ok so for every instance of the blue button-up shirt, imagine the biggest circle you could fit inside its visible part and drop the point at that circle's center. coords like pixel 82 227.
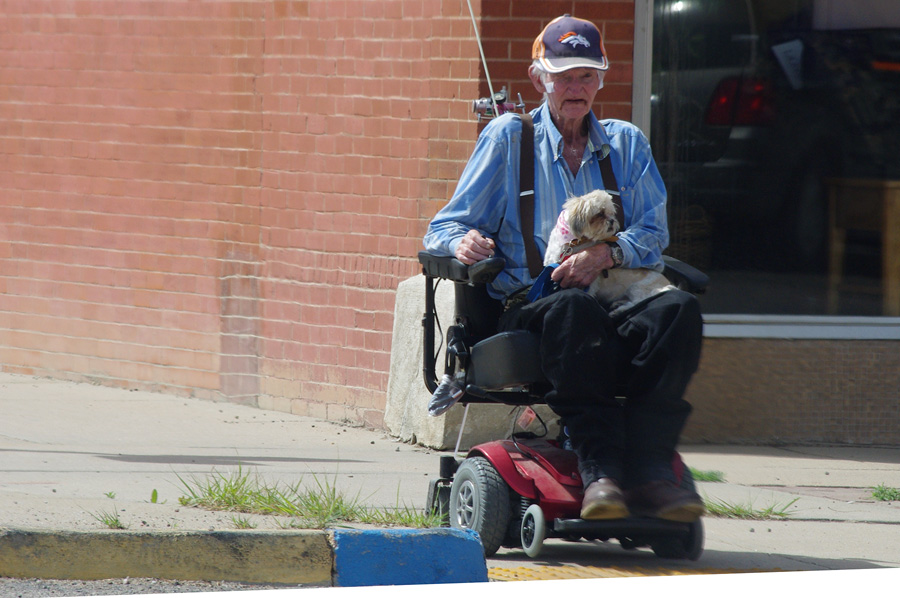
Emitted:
pixel 486 197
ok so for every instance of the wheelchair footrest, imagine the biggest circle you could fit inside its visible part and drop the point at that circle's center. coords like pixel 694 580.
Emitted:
pixel 613 528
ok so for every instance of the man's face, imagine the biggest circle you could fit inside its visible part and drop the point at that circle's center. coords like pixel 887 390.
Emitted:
pixel 570 93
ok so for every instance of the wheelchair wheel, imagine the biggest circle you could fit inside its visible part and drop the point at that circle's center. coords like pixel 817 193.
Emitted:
pixel 479 500
pixel 689 548
pixel 438 501
pixel 534 531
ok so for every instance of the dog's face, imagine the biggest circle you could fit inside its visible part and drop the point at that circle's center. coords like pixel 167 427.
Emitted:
pixel 592 216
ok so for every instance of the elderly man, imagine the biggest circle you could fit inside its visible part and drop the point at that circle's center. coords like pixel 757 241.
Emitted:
pixel 625 450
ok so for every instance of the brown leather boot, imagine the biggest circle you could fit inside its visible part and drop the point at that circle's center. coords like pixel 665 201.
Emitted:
pixel 665 500
pixel 603 499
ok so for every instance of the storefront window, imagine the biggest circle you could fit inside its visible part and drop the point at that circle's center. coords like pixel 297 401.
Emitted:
pixel 776 125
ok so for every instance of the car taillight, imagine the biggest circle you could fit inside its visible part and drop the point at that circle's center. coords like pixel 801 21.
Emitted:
pixel 885 65
pixel 739 101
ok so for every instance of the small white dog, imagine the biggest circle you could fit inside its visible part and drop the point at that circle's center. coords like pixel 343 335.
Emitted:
pixel 586 221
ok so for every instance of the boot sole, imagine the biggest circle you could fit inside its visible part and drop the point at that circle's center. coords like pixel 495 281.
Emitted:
pixel 688 513
pixel 602 511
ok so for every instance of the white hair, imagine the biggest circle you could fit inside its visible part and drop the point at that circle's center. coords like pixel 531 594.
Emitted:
pixel 544 76
pixel 539 67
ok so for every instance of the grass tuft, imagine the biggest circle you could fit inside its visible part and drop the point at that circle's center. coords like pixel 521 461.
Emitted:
pixel 109 518
pixel 885 493
pixel 729 510
pixel 242 522
pixel 316 506
pixel 707 476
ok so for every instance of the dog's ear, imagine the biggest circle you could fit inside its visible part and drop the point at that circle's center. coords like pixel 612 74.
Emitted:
pixel 611 216
pixel 610 224
pixel 578 215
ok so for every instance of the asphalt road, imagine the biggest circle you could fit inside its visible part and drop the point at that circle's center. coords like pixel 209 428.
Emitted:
pixel 41 588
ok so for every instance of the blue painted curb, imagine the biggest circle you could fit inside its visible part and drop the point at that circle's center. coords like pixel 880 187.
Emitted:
pixel 384 557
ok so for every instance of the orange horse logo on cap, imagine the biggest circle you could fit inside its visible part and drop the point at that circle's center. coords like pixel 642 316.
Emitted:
pixel 574 40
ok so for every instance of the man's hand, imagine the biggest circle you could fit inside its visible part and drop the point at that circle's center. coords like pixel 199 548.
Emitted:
pixel 474 247
pixel 580 270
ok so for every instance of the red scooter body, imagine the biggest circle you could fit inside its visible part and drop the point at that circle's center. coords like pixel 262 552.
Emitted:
pixel 546 477
pixel 542 471
pixel 538 470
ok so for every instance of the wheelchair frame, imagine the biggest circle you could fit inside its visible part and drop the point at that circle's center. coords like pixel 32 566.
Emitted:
pixel 529 488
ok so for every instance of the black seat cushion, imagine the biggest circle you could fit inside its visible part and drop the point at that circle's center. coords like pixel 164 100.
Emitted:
pixel 506 359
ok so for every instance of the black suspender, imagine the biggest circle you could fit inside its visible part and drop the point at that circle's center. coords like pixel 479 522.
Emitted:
pixel 526 197
pixel 612 187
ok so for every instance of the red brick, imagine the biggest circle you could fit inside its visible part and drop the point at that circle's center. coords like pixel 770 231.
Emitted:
pixel 303 144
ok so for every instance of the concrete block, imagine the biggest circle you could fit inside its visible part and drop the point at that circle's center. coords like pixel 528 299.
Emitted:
pixel 406 412
pixel 382 557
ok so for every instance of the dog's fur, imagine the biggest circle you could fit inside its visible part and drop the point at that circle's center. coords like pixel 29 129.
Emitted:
pixel 591 219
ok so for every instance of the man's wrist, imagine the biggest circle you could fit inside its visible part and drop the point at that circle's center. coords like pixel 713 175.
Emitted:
pixel 616 254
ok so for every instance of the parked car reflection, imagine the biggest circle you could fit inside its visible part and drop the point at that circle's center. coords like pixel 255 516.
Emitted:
pixel 758 103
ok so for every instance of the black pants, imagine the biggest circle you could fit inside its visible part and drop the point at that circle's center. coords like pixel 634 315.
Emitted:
pixel 648 356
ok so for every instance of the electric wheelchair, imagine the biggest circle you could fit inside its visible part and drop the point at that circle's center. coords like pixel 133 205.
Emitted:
pixel 521 490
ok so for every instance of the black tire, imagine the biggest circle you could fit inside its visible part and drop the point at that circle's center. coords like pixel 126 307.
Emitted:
pixel 685 548
pixel 513 537
pixel 479 500
pixel 690 547
pixel 438 501
pixel 805 215
pixel 694 544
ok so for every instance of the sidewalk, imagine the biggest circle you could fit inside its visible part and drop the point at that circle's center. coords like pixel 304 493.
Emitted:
pixel 69 452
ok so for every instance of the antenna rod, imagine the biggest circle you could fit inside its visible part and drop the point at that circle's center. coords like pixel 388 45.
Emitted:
pixel 487 75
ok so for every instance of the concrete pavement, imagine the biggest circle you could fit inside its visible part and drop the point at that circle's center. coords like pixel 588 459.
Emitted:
pixel 72 453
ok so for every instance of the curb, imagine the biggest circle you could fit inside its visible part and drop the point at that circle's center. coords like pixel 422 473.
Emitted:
pixel 406 557
pixel 315 558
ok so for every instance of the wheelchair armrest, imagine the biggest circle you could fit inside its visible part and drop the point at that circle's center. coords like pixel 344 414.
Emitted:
pixel 451 268
pixel 684 276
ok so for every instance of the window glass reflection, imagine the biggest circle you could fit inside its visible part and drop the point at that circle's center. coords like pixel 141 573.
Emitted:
pixel 776 125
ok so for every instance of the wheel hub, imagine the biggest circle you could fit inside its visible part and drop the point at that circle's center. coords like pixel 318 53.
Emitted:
pixel 465 510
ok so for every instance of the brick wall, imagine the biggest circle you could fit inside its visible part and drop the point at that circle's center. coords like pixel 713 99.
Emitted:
pixel 219 199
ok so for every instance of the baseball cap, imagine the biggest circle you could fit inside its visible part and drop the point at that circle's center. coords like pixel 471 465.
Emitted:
pixel 568 43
